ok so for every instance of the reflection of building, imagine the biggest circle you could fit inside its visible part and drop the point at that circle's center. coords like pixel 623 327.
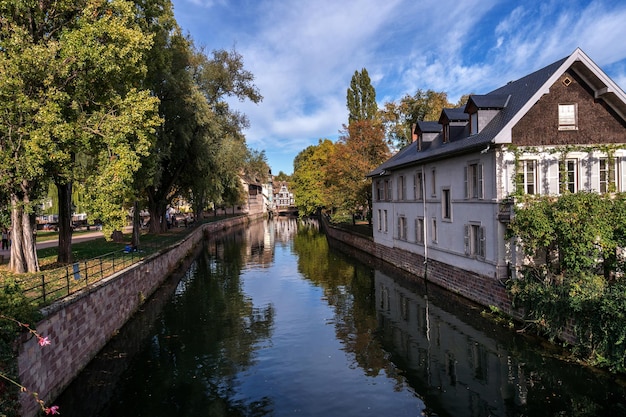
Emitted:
pixel 452 364
pixel 285 228
pixel 260 247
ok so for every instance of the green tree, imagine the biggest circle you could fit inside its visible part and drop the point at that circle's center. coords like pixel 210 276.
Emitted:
pixel 67 70
pixel 361 98
pixel 310 177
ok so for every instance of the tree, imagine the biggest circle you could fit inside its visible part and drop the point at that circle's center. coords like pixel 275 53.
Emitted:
pixel 310 177
pixel 67 71
pixel 358 151
pixel 361 98
pixel 400 118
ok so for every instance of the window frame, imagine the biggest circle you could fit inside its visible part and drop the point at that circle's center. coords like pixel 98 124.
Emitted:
pixel 526 175
pixel 418 186
pixel 446 204
pixel 402 228
pixel 568 116
pixel 474 123
pixel 474 181
pixel 570 181
pixel 419 230
pixel 475 240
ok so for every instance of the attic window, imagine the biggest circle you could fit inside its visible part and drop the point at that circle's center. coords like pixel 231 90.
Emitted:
pixel 473 123
pixel 446 133
pixel 567 81
pixel 568 117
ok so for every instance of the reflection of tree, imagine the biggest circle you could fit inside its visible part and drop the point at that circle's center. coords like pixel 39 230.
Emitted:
pixel 206 336
pixel 348 287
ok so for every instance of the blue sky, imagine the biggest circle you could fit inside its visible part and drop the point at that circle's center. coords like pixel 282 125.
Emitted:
pixel 303 53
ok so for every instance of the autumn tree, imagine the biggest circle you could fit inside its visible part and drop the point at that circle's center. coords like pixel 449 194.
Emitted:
pixel 67 71
pixel 360 149
pixel 399 118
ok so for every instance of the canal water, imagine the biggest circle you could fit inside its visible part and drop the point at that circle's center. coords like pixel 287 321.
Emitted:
pixel 270 321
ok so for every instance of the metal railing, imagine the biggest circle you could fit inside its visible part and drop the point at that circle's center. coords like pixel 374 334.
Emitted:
pixel 48 286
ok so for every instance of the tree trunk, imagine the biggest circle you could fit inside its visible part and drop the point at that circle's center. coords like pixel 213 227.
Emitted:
pixel 158 222
pixel 136 225
pixel 23 248
pixel 64 249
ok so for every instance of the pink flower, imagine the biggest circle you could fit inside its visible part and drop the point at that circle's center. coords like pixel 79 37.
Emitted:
pixel 52 410
pixel 43 341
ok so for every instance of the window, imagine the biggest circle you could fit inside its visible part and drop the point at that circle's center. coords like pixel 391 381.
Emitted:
pixel 446 204
pixel 607 176
pixel 385 229
pixel 475 240
pixel 474 123
pixel 568 176
pixel 568 117
pixel 433 183
pixel 401 188
pixel 527 176
pixel 433 230
pixel 474 181
pixel 380 190
pixel 418 189
pixel 385 191
pixel 402 226
pixel 380 220
pixel 446 133
pixel 419 230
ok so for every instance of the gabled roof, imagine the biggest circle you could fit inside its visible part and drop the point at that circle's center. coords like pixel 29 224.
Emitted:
pixel 488 101
pixel 427 127
pixel 521 96
pixel 453 115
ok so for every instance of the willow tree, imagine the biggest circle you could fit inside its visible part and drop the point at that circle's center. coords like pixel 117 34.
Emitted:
pixel 66 69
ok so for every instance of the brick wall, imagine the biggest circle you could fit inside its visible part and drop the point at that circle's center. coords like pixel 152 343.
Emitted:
pixel 484 290
pixel 80 325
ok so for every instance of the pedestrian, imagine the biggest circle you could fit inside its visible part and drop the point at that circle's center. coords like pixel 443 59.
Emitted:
pixel 5 239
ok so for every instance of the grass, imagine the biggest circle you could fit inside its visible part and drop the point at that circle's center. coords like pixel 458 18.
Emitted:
pixel 94 259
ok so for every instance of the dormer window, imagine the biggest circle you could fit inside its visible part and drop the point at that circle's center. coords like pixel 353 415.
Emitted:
pixel 446 133
pixel 474 123
pixel 568 117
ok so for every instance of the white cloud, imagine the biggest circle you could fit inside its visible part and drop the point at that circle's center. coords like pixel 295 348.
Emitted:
pixel 303 54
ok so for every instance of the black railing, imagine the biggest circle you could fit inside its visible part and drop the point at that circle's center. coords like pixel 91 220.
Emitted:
pixel 50 285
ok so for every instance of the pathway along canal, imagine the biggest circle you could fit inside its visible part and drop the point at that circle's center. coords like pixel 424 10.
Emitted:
pixel 269 322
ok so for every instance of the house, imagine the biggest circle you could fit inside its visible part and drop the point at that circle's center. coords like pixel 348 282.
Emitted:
pixel 284 200
pixel 446 197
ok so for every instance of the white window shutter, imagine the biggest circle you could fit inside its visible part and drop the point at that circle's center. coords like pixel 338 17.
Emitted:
pixel 468 250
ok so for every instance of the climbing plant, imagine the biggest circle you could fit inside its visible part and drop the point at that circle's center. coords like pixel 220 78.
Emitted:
pixel 573 275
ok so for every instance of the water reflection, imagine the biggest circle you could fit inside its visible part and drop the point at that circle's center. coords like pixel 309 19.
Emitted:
pixel 270 321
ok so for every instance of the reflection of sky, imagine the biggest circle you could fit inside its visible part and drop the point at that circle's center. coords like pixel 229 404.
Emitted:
pixel 303 368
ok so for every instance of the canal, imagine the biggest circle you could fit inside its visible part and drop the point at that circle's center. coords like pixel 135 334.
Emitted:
pixel 270 321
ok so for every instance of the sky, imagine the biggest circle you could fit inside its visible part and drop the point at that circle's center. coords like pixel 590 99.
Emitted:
pixel 303 53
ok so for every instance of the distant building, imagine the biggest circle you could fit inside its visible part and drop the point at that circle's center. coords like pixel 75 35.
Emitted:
pixel 283 199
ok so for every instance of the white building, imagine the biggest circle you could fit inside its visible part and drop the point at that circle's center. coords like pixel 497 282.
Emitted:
pixel 446 196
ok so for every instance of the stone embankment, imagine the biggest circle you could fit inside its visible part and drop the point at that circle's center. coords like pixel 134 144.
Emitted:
pixel 79 326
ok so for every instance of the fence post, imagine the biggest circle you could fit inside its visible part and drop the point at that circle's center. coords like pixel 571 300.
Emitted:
pixel 101 271
pixel 67 279
pixel 43 288
pixel 86 275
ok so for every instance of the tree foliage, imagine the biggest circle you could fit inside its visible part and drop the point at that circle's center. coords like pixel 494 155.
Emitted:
pixel 574 270
pixel 361 98
pixel 68 71
pixel 400 118
pixel 310 181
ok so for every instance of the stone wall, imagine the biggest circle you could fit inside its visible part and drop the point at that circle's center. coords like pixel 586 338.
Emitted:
pixel 80 325
pixel 484 290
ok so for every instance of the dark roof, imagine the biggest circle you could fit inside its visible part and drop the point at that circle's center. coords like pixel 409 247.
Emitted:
pixel 488 101
pixel 520 92
pixel 453 115
pixel 427 127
